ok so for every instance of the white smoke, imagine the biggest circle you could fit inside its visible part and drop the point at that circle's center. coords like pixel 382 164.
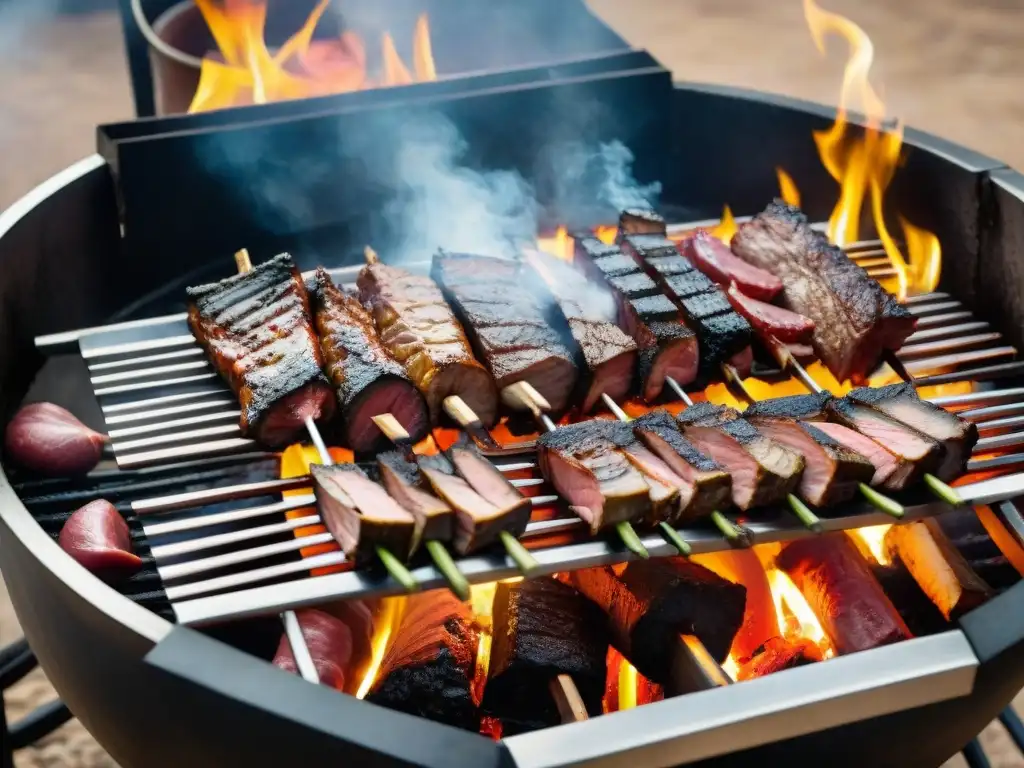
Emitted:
pixel 597 181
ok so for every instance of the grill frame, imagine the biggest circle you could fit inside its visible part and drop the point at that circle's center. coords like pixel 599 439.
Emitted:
pixel 106 655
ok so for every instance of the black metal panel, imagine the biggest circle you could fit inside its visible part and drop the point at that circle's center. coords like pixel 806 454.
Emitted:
pixel 1000 278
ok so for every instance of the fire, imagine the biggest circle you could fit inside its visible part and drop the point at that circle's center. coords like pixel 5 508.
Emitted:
pixel 559 244
pixel 245 71
pixel 606 234
pixel 871 542
pixel 726 228
pixel 387 619
pixel 628 681
pixel 796 618
pixel 865 165
pixel 787 188
pixel 481 602
pixel 295 461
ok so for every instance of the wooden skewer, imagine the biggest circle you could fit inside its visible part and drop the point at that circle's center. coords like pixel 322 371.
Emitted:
pixel 568 700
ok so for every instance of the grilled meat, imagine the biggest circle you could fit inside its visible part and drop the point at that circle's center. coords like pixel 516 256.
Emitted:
pixel 831 473
pixel 506 325
pixel 845 596
pixel 706 486
pixel 360 514
pixel 640 221
pixel 543 628
pixel 769 320
pixel 939 569
pixel 779 654
pixel 590 473
pixel 714 258
pixel 901 402
pixel 484 502
pixel 48 439
pixel 429 665
pixel 855 319
pixel 329 641
pixel 368 381
pixel 98 539
pixel 763 471
pixel 257 330
pixel 666 488
pixel 666 347
pixel 653 602
pixel 405 483
pixel 417 327
pixel 606 356
pixel 723 334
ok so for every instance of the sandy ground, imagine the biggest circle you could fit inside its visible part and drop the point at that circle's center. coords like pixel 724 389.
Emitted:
pixel 952 67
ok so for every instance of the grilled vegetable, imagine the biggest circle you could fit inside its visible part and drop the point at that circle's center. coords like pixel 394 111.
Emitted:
pixel 543 628
pixel 360 514
pixel 368 381
pixel 763 471
pixel 98 538
pixel 418 328
pixel 48 439
pixel 257 329
pixel 855 320
pixel 714 258
pixel 405 483
pixel 329 641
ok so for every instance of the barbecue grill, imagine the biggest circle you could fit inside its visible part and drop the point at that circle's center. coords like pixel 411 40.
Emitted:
pixel 171 668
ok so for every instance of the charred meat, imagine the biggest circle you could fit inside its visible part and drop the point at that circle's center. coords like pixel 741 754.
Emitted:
pixel 417 327
pixel 257 330
pixel 769 320
pixel 329 641
pixel 543 628
pixel 723 334
pixel 714 258
pixel 592 475
pixel 360 514
pixel 640 221
pixel 98 539
pixel 653 602
pixel 666 488
pixel 667 347
pixel 763 471
pixel 606 356
pixel 429 666
pixel 507 325
pixel 368 380
pixel 845 596
pixel 901 402
pixel 405 483
pixel 855 319
pixel 48 439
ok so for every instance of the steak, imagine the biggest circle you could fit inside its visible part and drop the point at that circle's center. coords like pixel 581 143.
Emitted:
pixel 714 258
pixel 640 221
pixel 405 483
pixel 600 484
pixel 416 326
pixel 855 319
pixel 543 628
pixel 368 381
pixel 901 402
pixel 769 320
pixel 666 488
pixel 360 514
pixel 666 347
pixel 586 313
pixel 506 324
pixel 721 331
pixel 707 486
pixel 257 330
pixel 763 471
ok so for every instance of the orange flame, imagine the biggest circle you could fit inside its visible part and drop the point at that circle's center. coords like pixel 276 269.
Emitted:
pixel 559 244
pixel 726 228
pixel 246 72
pixel 865 165
pixel 797 620
pixel 628 682
pixel 787 188
pixel 871 542
pixel 606 234
pixel 385 622
pixel 295 461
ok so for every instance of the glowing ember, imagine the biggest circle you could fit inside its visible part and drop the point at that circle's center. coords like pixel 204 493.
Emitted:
pixel 871 542
pixel 864 165
pixel 628 680
pixel 731 667
pixel 726 228
pixel 245 71
pixel 387 619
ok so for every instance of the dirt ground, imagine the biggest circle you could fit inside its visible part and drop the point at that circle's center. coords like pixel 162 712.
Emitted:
pixel 951 67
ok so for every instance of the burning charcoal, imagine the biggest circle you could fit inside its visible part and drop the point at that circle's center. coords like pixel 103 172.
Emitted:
pixel 257 330
pixel 901 402
pixel 855 320
pixel 543 628
pixel 48 439
pixel 920 614
pixel 845 596
pixel 643 692
pixel 763 471
pixel 368 381
pixel 97 537
pixel 506 324
pixel 418 328
pixel 329 641
pixel 653 602
pixel 405 483
pixel 715 259
pixel 429 665
pixel 360 514
pixel 640 221
pixel 597 480
pixel 938 568
pixel 778 654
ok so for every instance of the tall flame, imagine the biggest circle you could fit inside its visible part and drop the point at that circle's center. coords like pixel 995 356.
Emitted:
pixel 795 616
pixel 725 228
pixel 871 542
pixel 385 622
pixel 865 165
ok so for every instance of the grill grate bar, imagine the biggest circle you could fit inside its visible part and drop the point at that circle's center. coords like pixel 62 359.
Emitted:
pixel 194 351
pixel 140 405
pixel 120 389
pixel 234 516
pixel 145 429
pixel 963 358
pixel 934 321
pixel 932 334
pixel 981 415
pixel 157 372
pixel 933 309
pixel 177 437
pixel 1000 442
pixel 985 373
pixel 929 348
pixel 1012 395
pixel 1010 422
pixel 174 410
pixel 162 552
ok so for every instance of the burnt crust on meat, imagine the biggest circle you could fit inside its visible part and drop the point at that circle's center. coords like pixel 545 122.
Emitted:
pixel 811 407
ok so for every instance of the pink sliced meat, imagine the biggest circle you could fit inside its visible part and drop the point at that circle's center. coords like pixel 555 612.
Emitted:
pixel 97 537
pixel 716 260
pixel 329 641
pixel 48 439
pixel 885 463
pixel 767 319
